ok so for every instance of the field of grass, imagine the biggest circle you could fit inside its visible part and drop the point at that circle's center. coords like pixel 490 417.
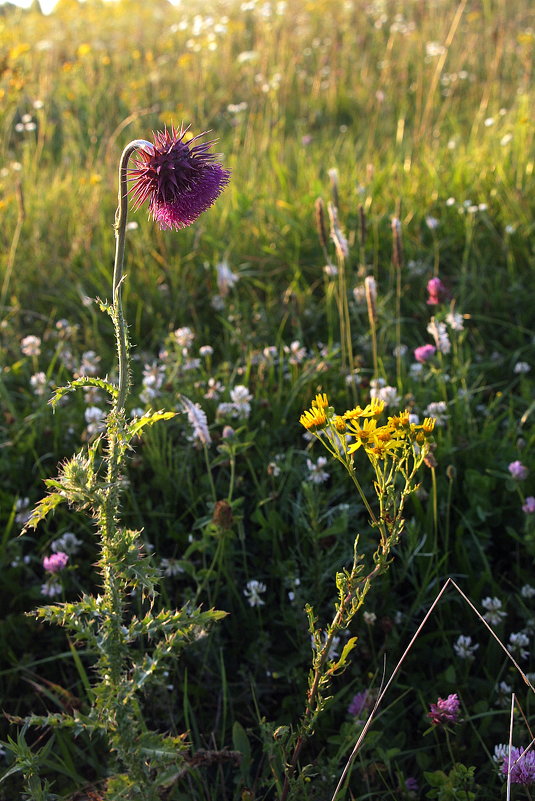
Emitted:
pixel 414 120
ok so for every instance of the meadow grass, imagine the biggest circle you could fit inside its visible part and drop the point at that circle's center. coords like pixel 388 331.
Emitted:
pixel 425 112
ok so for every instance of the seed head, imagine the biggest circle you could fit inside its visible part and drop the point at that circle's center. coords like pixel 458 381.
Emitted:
pixel 179 179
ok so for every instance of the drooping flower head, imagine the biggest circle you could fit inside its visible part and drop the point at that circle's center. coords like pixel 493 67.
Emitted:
pixel 179 179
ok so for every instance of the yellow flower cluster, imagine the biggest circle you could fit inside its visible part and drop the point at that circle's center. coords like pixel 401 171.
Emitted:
pixel 361 427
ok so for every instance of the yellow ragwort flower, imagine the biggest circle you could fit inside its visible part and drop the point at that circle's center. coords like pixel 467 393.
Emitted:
pixel 428 424
pixel 399 420
pixel 313 419
pixel 373 409
pixel 320 402
pixel 340 424
pixel 363 435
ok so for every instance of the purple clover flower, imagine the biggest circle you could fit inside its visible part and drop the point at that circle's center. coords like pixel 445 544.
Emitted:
pixel 179 179
pixel 437 291
pixel 529 506
pixel 411 785
pixel 55 562
pixel 446 710
pixel 359 703
pixel 424 353
pixel 519 765
pixel 518 471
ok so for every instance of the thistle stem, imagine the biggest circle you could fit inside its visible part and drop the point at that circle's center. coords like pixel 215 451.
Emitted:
pixel 121 216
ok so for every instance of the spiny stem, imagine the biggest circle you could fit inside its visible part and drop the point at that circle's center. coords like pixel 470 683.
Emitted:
pixel 120 236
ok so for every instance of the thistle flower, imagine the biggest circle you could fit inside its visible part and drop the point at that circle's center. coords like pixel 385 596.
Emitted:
pixel 180 180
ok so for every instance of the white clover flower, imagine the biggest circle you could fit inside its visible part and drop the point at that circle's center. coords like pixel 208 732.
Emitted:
pixel 431 222
pixel 517 641
pixel 206 350
pixel 39 383
pixel 437 410
pixel 495 613
pixel 184 337
pixel 369 618
pixel 94 418
pixel 416 371
pixel 30 345
pixel 297 352
pixel 89 364
pixel 389 395
pixel 226 410
pixel 439 333
pixel 171 567
pixel 503 691
pixel 527 591
pixel 253 590
pixel 22 511
pixel 464 648
pixel 240 397
pixel 330 270
pixel 148 394
pixel 51 588
pixel 455 321
pixel 316 473
pixel 153 375
pixel 521 367
pixel 213 389
pixel 68 543
pixel 273 469
pixel 225 278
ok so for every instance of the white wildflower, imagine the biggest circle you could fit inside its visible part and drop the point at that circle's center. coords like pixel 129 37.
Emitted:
pixel 94 418
pixel 153 375
pixel 389 395
pixel 213 389
pixel 253 591
pixel 455 321
pixel 31 345
pixel 521 367
pixel 51 588
pixel 171 567
pixel 240 397
pixel 464 648
pixel 89 364
pixel 527 591
pixel 297 352
pixel 316 473
pixel 437 410
pixel 22 511
pixel 369 618
pixel 517 641
pixel 494 614
pixel 206 350
pixel 184 337
pixel 439 333
pixel 225 278
pixel 39 383
pixel 68 543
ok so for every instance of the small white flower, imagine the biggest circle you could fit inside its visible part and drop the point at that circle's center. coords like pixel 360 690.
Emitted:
pixel 51 588
pixel 416 371
pixel 153 375
pixel 333 648
pixel 316 473
pixel 184 337
pixel 89 365
pixel 455 321
pixel 132 225
pixel 464 648
pixel 22 511
pixel 94 418
pixel 225 278
pixel 148 394
pixel 171 567
pixel 438 411
pixel 389 395
pixel 503 691
pixel 369 618
pixel 31 345
pixel 440 335
pixel 330 270
pixel 39 383
pixel 495 613
pixel 68 543
pixel 431 222
pixel 206 350
pixel 240 397
pixel 400 351
pixel 516 644
pixel 213 389
pixel 253 591
pixel 527 591
pixel 450 201
pixel 297 352
pixel 521 367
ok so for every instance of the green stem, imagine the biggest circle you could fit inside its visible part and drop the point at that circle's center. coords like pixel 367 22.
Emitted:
pixel 120 236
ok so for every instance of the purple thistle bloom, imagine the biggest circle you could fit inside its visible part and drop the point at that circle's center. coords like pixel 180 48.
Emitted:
pixel 179 180
pixel 55 562
pixel 519 765
pixel 446 710
pixel 518 471
pixel 423 353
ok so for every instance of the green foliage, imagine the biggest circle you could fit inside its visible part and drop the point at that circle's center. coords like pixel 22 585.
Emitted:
pixel 457 785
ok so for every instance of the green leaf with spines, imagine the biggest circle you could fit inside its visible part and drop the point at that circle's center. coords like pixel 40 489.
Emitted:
pixel 43 507
pixel 80 383
pixel 148 419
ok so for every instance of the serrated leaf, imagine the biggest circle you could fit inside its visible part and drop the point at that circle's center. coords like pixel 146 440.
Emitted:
pixel 44 506
pixel 80 383
pixel 148 420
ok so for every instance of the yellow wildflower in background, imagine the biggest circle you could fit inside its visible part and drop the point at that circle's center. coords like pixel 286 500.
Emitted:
pixel 373 409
